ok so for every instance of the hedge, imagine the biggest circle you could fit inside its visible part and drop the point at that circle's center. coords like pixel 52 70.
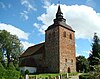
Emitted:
pixel 8 73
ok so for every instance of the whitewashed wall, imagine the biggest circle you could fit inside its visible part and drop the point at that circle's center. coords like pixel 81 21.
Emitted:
pixel 30 69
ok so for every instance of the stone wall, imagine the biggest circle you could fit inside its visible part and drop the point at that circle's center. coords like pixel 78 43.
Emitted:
pixel 51 50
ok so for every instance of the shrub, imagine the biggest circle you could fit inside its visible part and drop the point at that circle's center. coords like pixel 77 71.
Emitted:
pixel 26 72
pixel 2 71
pixel 22 73
pixel 95 74
pixel 84 76
pixel 11 66
pixel 12 74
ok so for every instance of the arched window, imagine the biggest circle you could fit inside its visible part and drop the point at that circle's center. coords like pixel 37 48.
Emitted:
pixel 69 70
pixel 64 34
pixel 70 36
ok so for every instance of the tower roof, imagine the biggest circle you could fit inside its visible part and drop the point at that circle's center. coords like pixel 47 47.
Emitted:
pixel 59 20
pixel 59 10
pixel 59 14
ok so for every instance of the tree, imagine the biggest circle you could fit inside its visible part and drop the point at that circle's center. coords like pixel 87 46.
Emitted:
pixel 94 57
pixel 96 73
pixel 10 46
pixel 11 66
pixel 82 64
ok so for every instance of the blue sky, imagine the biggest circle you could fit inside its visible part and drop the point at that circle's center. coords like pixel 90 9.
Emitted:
pixel 28 19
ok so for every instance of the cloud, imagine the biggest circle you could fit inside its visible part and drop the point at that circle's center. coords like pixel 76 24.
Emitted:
pixel 46 3
pixel 87 52
pixel 28 5
pixel 2 5
pixel 42 41
pixel 40 27
pixel 9 5
pixel 90 3
pixel 78 54
pixel 24 15
pixel 83 19
pixel 15 31
pixel 27 44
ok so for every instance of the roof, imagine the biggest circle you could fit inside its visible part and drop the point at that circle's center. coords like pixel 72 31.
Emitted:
pixel 60 24
pixel 28 62
pixel 36 49
pixel 59 10
pixel 60 21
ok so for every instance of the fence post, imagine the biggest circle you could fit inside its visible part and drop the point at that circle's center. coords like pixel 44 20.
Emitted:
pixel 26 77
pixel 36 77
pixel 67 75
pixel 58 77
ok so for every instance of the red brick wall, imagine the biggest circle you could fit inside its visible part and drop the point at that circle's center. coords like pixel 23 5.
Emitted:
pixel 67 50
pixel 60 50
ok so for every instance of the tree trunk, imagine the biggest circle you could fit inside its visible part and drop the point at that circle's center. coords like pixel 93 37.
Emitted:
pixel 8 59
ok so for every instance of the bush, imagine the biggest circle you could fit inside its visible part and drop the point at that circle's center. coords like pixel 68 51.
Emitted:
pixel 84 76
pixel 11 74
pixel 26 72
pixel 11 66
pixel 95 74
pixel 2 71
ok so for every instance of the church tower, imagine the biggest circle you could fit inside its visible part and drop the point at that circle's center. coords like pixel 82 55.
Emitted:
pixel 60 46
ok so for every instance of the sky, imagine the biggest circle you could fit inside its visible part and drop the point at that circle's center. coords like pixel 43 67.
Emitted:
pixel 28 19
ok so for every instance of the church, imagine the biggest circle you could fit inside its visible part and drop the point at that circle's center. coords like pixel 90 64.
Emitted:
pixel 57 54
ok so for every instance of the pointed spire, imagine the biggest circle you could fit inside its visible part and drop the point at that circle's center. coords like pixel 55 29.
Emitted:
pixel 59 14
pixel 59 10
pixel 59 20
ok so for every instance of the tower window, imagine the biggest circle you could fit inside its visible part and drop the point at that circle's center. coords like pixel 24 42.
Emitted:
pixel 70 36
pixel 66 60
pixel 71 60
pixel 64 34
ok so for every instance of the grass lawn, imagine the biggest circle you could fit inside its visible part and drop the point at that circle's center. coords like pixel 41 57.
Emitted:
pixel 52 75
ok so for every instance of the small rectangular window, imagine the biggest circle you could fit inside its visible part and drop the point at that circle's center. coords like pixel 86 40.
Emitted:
pixel 70 36
pixel 64 34
pixel 65 60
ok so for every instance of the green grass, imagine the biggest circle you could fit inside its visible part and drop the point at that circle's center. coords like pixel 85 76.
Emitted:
pixel 73 74
pixel 45 75
pixel 51 75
